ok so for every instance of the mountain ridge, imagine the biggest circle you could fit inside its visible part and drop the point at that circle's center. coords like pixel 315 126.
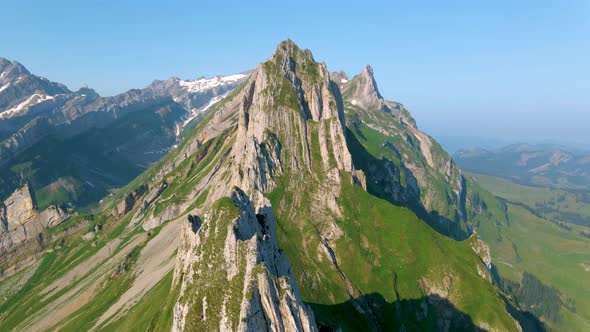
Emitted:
pixel 118 129
pixel 280 226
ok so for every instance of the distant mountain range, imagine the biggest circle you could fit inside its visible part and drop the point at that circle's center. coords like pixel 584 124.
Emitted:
pixel 75 147
pixel 537 165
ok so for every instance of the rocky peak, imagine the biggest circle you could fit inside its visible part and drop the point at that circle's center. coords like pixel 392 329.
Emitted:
pixel 288 49
pixel 20 90
pixel 87 91
pixel 309 81
pixel 10 70
pixel 285 99
pixel 369 83
pixel 340 77
pixel 19 207
pixel 364 92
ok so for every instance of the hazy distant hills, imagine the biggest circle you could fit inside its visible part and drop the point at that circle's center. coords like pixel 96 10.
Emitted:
pixel 538 165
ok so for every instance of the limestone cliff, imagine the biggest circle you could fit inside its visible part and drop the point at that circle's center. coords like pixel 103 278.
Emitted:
pixel 22 226
pixel 233 275
pixel 286 104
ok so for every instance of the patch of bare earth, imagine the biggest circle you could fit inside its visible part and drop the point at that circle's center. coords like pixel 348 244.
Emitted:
pixel 85 289
pixel 155 261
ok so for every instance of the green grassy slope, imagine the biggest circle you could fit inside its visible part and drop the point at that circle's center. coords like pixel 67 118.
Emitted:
pixel 386 258
pixel 549 203
pixel 387 148
pixel 80 170
pixel 388 252
pixel 31 299
pixel 557 256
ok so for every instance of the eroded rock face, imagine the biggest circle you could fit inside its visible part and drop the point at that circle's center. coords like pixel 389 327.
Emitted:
pixel 128 203
pixel 21 225
pixel 288 103
pixel 233 242
pixel 281 96
pixel 287 118
pixel 483 251
pixel 18 208
pixel 232 274
pixel 412 169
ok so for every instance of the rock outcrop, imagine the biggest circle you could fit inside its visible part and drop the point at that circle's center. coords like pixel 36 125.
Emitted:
pixel 283 95
pixel 18 208
pixel 22 226
pixel 414 170
pixel 483 251
pixel 233 276
pixel 288 104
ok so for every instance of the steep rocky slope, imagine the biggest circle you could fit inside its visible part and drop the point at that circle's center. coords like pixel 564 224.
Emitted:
pixel 279 228
pixel 23 229
pixel 408 167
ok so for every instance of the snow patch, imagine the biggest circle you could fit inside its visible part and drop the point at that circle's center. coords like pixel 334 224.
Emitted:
pixel 343 80
pixel 4 87
pixel 203 84
pixel 31 101
pixel 195 111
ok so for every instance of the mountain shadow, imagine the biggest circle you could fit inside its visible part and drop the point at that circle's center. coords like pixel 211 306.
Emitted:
pixel 83 168
pixel 532 292
pixel 378 180
pixel 429 313
pixel 528 321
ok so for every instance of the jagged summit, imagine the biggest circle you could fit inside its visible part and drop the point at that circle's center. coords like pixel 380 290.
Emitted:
pixel 363 91
pixel 370 83
pixel 340 78
pixel 10 69
pixel 290 49
pixel 278 100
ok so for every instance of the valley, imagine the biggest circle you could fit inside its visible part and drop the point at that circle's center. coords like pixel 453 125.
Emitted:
pixel 553 249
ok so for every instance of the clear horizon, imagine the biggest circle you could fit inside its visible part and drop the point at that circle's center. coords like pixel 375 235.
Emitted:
pixel 469 72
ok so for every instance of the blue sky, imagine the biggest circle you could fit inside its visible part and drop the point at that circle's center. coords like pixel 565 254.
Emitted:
pixel 471 72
